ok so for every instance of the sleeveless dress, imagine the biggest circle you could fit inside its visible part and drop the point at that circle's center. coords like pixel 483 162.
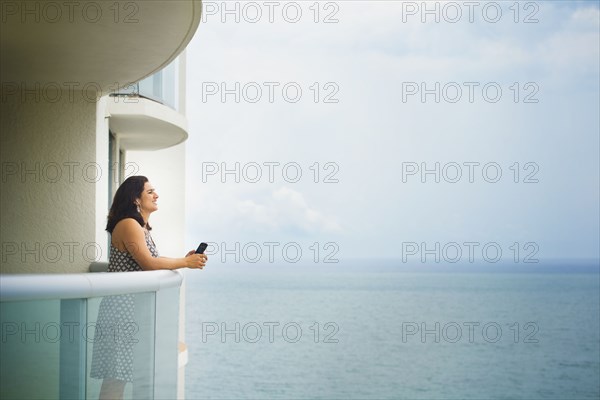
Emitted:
pixel 112 354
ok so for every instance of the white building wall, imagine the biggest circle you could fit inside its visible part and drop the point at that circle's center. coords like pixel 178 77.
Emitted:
pixel 103 201
pixel 48 184
pixel 165 169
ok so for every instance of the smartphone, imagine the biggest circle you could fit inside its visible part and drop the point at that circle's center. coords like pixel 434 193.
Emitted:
pixel 201 248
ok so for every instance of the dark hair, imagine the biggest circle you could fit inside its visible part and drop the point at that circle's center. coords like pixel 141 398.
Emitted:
pixel 124 206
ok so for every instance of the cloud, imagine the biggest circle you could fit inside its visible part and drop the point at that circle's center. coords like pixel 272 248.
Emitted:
pixel 370 132
pixel 574 49
pixel 285 210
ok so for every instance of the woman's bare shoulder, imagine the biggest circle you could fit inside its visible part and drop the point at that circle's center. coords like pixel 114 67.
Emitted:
pixel 127 230
pixel 126 225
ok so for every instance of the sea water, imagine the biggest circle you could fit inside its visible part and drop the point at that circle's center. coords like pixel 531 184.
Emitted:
pixel 385 333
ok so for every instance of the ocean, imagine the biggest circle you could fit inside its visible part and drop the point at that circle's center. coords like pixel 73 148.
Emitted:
pixel 331 332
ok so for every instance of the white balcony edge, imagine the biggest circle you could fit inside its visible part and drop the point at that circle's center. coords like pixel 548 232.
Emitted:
pixel 26 287
pixel 144 124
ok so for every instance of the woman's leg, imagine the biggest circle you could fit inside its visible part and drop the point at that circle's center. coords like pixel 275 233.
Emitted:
pixel 112 389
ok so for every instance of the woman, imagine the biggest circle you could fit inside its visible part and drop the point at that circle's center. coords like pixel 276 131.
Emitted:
pixel 131 249
pixel 131 246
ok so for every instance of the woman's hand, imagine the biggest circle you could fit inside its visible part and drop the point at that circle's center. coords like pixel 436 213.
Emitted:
pixel 193 260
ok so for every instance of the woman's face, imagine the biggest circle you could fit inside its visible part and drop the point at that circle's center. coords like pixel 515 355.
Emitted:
pixel 148 199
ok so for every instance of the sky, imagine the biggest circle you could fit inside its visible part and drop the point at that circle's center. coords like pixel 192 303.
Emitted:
pixel 369 129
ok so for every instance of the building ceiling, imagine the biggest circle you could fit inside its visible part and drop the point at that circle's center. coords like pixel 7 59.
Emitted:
pixel 91 45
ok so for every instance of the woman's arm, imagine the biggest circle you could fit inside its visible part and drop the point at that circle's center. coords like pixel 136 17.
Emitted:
pixel 131 235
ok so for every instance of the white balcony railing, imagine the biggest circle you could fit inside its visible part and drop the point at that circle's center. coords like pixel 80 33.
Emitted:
pixel 50 327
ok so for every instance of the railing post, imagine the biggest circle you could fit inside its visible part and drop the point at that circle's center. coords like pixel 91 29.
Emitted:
pixel 73 349
pixel 166 354
pixel 144 347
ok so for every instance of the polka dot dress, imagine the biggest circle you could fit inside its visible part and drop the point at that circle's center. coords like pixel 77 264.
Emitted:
pixel 115 333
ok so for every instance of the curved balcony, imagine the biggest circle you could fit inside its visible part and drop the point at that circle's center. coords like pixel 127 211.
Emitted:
pixel 147 115
pixel 92 45
pixel 143 124
pixel 52 323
